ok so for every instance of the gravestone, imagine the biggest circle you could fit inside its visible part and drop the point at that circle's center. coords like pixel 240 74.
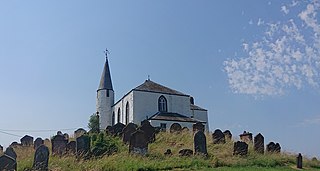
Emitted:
pixel 127 131
pixel 7 163
pixel 218 137
pixel 59 133
pixel 71 147
pixel 200 144
pixel 39 141
pixel 59 145
pixel 277 148
pixel 26 140
pixel 240 148
pixel 41 158
pixel 1 148
pixel 116 130
pixel 273 148
pixel 185 129
pixel 14 144
pixel 82 145
pixel 175 128
pixel 138 143
pixel 148 130
pixel 168 152
pixel 198 127
pixel 299 161
pixel 246 137
pixel 11 153
pixel 79 132
pixel 259 144
pixel 227 135
pixel 185 152
pixel 66 137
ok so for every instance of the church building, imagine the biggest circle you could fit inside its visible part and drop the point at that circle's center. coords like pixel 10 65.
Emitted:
pixel 160 105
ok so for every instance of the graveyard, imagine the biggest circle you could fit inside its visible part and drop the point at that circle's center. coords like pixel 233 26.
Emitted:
pixel 133 147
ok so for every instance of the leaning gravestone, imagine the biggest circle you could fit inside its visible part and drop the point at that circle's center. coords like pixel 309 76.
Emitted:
pixel 148 130
pixel 185 152
pixel 138 143
pixel 41 158
pixel 71 147
pixel 227 134
pixel 240 148
pixel 83 145
pixel 198 127
pixel 218 137
pixel 11 153
pixel 200 144
pixel 116 130
pixel 259 144
pixel 37 143
pixel 175 128
pixel 127 132
pixel 7 163
pixel 59 145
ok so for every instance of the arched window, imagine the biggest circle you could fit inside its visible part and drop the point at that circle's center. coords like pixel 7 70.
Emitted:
pixel 119 113
pixel 113 119
pixel 127 113
pixel 162 104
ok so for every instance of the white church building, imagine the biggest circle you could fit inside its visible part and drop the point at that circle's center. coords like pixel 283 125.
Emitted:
pixel 160 105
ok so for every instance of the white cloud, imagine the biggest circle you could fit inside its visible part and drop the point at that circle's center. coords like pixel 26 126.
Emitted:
pixel 311 121
pixel 286 56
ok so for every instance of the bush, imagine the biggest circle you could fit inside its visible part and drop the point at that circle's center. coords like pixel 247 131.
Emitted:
pixel 103 145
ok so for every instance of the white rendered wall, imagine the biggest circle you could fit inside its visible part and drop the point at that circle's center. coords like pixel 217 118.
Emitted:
pixel 121 104
pixel 103 106
pixel 156 123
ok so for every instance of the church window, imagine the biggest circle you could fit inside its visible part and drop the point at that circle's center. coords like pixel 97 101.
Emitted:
pixel 113 119
pixel 127 113
pixel 119 113
pixel 162 104
pixel 107 93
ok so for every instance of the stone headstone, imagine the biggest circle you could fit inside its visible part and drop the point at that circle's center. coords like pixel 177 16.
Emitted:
pixel 299 161
pixel 168 152
pixel 218 137
pixel 185 129
pixel 14 144
pixel 277 148
pixel 246 137
pixel 66 136
pixel 116 130
pixel 273 148
pixel 198 127
pixel 41 158
pixel 240 148
pixel 148 130
pixel 1 148
pixel 59 145
pixel 39 141
pixel 185 152
pixel 71 147
pixel 127 132
pixel 59 133
pixel 11 153
pixel 83 145
pixel 7 163
pixel 138 143
pixel 175 128
pixel 26 140
pixel 227 134
pixel 79 132
pixel 200 144
pixel 259 144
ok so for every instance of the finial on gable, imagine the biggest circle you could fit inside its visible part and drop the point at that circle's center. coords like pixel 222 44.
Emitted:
pixel 148 77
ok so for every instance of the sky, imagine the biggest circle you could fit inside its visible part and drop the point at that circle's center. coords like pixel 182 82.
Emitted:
pixel 255 65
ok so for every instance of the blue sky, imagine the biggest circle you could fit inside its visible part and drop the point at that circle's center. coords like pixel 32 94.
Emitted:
pixel 253 64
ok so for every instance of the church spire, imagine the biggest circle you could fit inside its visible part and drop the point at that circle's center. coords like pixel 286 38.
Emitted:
pixel 105 81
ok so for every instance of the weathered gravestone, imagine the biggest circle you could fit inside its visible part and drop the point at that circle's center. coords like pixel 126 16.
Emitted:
pixel 185 152
pixel 1 149
pixel 227 134
pixel 240 148
pixel 59 133
pixel 41 158
pixel 79 132
pixel 168 152
pixel 66 136
pixel 39 141
pixel 116 130
pixel 148 130
pixel 277 148
pixel 200 144
pixel 175 128
pixel 11 153
pixel 14 144
pixel 218 137
pixel 138 143
pixel 299 161
pixel 26 140
pixel 71 147
pixel 7 163
pixel 198 127
pixel 59 145
pixel 259 144
pixel 185 129
pixel 83 145
pixel 273 148
pixel 127 132
pixel 246 137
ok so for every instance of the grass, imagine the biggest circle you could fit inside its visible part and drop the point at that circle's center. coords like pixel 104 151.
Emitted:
pixel 220 158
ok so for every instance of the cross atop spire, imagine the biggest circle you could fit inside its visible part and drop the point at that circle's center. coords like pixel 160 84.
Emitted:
pixel 105 81
pixel 106 52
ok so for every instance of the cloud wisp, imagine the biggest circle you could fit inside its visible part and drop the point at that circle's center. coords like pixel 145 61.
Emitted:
pixel 286 56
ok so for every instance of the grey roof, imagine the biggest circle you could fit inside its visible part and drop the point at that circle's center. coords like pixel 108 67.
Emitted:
pixel 105 81
pixel 195 107
pixel 150 86
pixel 168 116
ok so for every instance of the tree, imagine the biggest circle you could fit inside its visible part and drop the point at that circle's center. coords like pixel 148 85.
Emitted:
pixel 93 124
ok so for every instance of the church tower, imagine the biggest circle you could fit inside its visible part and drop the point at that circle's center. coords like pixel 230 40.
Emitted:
pixel 105 97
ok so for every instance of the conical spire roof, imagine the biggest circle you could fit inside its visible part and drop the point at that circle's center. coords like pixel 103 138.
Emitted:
pixel 105 81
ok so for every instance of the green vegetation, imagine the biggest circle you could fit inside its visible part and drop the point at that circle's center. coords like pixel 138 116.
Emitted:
pixel 117 158
pixel 93 124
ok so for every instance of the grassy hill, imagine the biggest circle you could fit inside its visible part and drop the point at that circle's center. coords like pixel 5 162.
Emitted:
pixel 220 158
